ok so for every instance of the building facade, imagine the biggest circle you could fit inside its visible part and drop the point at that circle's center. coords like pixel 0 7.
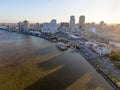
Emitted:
pixel 72 23
pixel 64 25
pixel 26 25
pixel 49 27
pixel 82 22
pixel 20 26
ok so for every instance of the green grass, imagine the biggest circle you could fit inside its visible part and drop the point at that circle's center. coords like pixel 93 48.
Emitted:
pixel 113 77
pixel 115 56
pixel 117 65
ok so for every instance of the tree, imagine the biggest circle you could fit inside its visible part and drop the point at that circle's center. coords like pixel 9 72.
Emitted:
pixel 115 57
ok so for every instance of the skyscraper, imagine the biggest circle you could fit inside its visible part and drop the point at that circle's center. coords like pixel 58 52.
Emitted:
pixel 72 22
pixel 26 25
pixel 49 27
pixel 20 25
pixel 37 26
pixel 102 25
pixel 53 21
pixel 82 22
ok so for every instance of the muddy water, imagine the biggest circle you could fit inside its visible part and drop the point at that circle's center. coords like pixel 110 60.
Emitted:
pixel 74 72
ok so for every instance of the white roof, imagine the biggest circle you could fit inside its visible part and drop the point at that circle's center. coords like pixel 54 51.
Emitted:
pixel 73 36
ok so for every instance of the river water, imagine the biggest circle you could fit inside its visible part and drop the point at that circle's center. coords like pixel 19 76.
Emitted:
pixel 60 69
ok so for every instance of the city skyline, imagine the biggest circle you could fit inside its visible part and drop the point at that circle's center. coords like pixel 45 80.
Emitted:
pixel 45 10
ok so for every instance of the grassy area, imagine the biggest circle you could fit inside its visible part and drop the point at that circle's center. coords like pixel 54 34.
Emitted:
pixel 76 46
pixel 113 77
pixel 117 65
pixel 115 56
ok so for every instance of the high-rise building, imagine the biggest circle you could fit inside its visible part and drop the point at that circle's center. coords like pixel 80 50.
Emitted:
pixel 49 27
pixel 82 22
pixel 53 21
pixel 37 26
pixel 102 24
pixel 26 25
pixel 20 25
pixel 72 22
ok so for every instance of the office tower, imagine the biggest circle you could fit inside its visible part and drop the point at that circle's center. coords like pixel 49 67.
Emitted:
pixel 72 23
pixel 82 22
pixel 102 24
pixel 37 26
pixel 54 24
pixel 20 25
pixel 53 21
pixel 26 25
pixel 50 27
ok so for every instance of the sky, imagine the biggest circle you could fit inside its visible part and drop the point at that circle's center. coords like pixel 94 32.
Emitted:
pixel 13 11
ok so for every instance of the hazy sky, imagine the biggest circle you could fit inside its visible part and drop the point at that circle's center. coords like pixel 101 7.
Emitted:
pixel 45 10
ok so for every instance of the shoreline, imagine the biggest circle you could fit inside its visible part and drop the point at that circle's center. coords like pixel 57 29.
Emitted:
pixel 96 68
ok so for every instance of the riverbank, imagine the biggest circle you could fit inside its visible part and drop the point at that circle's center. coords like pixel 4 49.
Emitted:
pixel 32 63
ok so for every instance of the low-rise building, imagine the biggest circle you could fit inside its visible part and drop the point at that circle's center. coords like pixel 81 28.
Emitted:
pixel 102 50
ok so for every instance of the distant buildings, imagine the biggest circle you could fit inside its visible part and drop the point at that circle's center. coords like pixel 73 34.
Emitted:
pixel 82 22
pixel 20 26
pixel 37 26
pixel 23 26
pixel 3 27
pixel 102 25
pixel 64 25
pixel 72 23
pixel 92 30
pixel 90 27
pixel 49 27
pixel 52 27
pixel 26 25
pixel 53 21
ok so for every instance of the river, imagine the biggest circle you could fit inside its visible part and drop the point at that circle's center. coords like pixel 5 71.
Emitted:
pixel 32 63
